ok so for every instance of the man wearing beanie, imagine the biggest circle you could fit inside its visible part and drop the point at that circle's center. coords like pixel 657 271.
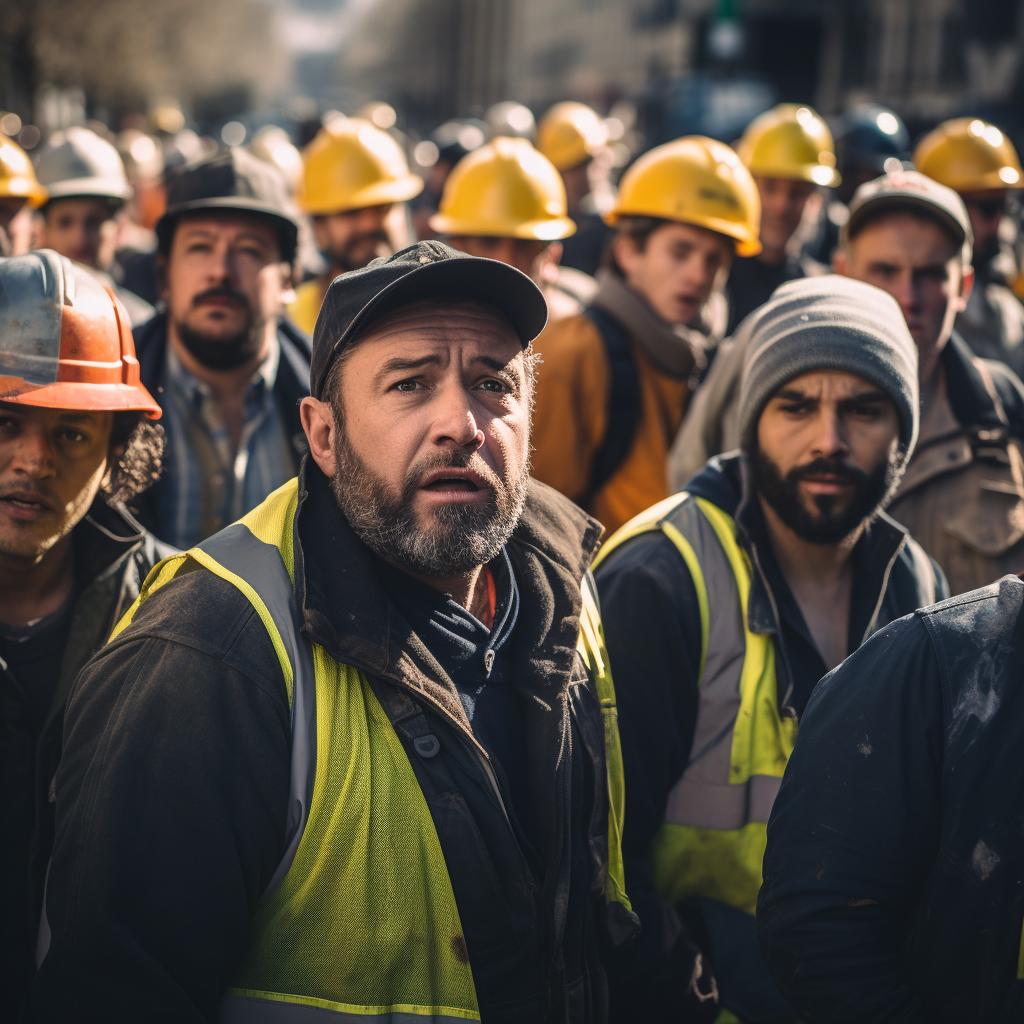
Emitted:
pixel 725 604
pixel 962 496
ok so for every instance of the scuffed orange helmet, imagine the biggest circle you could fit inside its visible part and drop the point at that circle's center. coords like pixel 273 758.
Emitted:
pixel 65 341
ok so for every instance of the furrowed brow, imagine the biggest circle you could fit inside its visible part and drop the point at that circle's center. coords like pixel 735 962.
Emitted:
pixel 399 365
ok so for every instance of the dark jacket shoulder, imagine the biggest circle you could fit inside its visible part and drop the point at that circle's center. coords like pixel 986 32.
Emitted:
pixel 200 610
pixel 982 392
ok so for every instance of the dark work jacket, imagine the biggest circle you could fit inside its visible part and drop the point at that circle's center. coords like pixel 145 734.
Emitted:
pixel 112 557
pixel 652 626
pixel 894 876
pixel 751 283
pixel 290 387
pixel 172 793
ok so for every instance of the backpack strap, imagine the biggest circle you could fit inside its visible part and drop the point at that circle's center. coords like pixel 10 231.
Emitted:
pixel 623 403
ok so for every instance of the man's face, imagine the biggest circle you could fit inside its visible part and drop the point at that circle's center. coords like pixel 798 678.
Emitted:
pixel 986 210
pixel 522 253
pixel 350 240
pixel 82 228
pixel 223 281
pixel 782 206
pixel 429 458
pixel 827 454
pixel 918 263
pixel 52 464
pixel 676 270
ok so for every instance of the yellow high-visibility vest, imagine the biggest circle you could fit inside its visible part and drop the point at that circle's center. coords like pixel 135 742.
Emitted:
pixel 360 917
pixel 713 838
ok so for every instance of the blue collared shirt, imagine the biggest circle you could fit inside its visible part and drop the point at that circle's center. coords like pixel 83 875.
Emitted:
pixel 206 484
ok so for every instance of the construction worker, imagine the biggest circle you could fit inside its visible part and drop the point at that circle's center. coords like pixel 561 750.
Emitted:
pixel 76 442
pixel 571 136
pixel 977 160
pixel 789 152
pixel 894 869
pixel 389 775
pixel 354 175
pixel 870 139
pixel 963 494
pixel 226 366
pixel 20 191
pixel 723 607
pixel 616 380
pixel 505 201
pixel 87 186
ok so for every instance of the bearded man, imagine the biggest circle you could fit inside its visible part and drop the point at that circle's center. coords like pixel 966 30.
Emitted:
pixel 355 757
pixel 723 607
pixel 225 365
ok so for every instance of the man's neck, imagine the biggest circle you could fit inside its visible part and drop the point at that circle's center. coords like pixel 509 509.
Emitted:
pixel 771 257
pixel 821 579
pixel 33 588
pixel 468 590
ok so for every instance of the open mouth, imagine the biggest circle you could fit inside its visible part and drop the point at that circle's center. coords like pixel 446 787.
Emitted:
pixel 452 483
pixel 23 506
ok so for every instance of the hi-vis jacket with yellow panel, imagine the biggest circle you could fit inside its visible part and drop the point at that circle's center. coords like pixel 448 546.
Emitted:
pixel 383 906
pixel 691 576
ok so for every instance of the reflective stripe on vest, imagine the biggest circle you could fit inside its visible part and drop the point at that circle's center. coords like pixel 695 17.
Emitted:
pixel 713 837
pixel 359 921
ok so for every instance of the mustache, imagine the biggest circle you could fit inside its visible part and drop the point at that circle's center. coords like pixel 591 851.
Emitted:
pixel 455 458
pixel 829 467
pixel 223 292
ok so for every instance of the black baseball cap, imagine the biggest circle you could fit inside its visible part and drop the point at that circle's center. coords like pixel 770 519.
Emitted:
pixel 425 270
pixel 232 180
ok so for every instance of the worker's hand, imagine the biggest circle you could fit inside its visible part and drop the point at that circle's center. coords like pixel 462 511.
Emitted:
pixel 700 1001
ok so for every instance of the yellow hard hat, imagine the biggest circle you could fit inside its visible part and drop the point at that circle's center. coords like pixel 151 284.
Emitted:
pixel 695 180
pixel 17 176
pixel 790 141
pixel 505 189
pixel 351 164
pixel 969 155
pixel 570 133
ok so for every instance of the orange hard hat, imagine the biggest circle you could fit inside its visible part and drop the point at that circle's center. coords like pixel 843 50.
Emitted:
pixel 65 340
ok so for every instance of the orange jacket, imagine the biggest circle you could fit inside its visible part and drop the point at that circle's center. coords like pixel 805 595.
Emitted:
pixel 571 415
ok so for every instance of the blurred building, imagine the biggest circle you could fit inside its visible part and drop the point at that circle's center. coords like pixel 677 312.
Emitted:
pixel 710 62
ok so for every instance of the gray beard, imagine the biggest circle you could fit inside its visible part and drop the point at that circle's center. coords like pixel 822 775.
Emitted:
pixel 461 538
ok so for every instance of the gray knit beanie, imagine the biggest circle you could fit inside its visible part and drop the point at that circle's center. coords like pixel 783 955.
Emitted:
pixel 829 323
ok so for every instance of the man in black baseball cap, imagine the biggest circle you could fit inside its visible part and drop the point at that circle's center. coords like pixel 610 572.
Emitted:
pixel 226 365
pixel 389 781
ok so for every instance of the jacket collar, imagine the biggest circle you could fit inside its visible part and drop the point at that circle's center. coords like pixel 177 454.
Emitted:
pixel 346 611
pixel 971 395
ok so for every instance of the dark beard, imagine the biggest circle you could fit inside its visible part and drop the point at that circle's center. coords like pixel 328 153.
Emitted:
pixel 219 352
pixel 832 524
pixel 461 538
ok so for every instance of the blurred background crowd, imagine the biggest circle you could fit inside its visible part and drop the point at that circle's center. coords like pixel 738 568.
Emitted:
pixel 169 82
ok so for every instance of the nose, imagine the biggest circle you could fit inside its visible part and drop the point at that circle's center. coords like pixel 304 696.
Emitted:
pixel 831 440
pixel 907 293
pixel 455 421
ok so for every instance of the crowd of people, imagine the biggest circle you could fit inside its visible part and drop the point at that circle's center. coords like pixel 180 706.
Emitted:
pixel 504 593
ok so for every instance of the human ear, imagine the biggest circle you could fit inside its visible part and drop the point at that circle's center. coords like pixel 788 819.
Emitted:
pixel 318 422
